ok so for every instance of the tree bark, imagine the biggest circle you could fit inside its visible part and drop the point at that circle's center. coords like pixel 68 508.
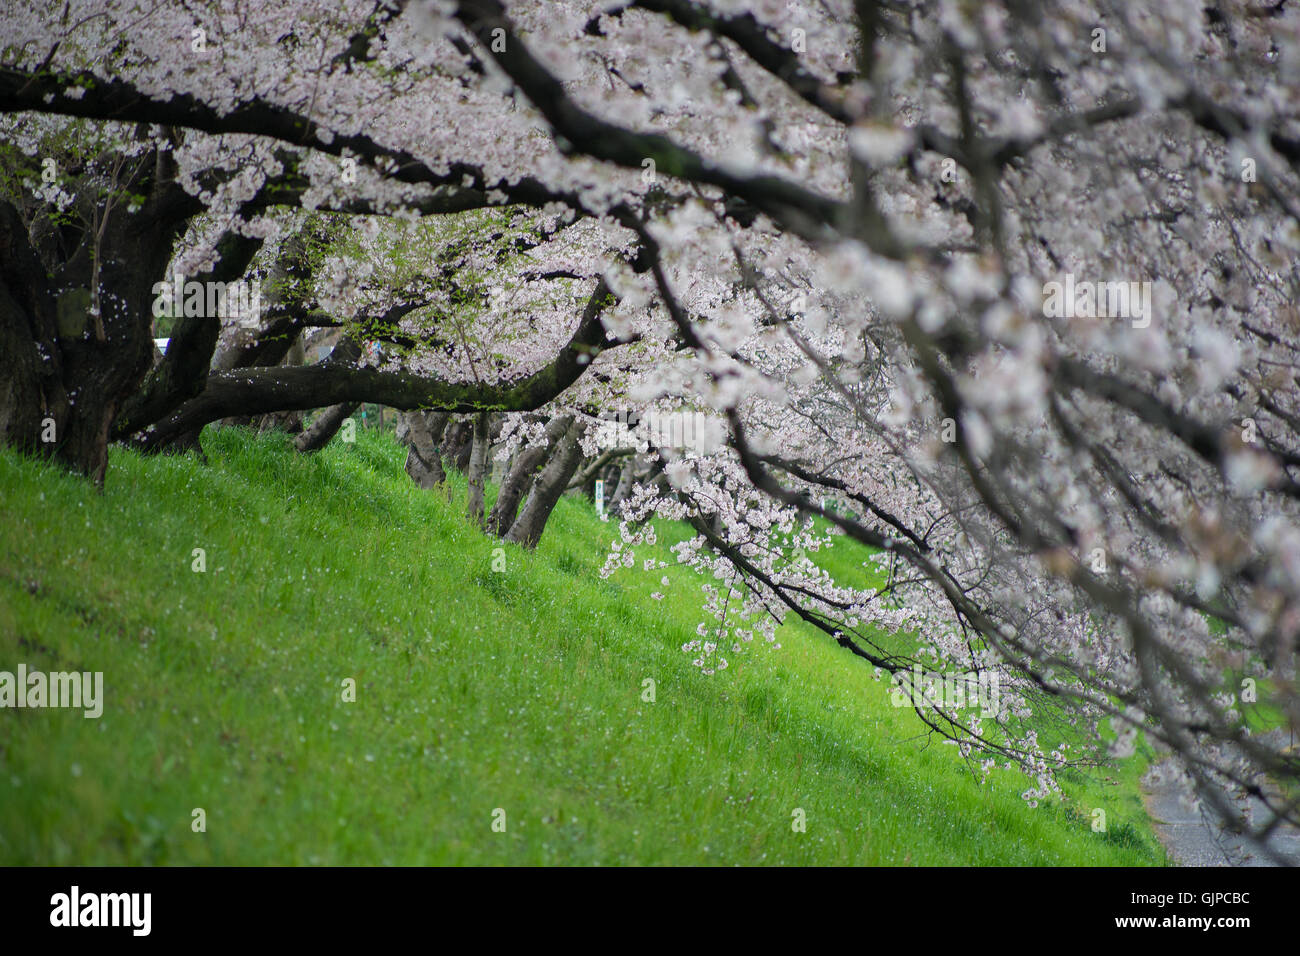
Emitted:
pixel 183 370
pixel 31 374
pixel 624 486
pixel 593 470
pixel 422 431
pixel 290 421
pixel 256 391
pixel 521 474
pixel 71 361
pixel 455 446
pixel 477 467
pixel 528 527
pixel 325 427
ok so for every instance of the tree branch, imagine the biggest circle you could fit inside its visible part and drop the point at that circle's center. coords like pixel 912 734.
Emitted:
pixel 256 391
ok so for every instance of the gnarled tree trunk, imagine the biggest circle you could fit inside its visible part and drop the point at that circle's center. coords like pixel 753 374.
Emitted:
pixel 422 431
pixel 477 470
pixel 457 443
pixel 550 484
pixel 624 486
pixel 521 474
pixel 325 427
pixel 72 360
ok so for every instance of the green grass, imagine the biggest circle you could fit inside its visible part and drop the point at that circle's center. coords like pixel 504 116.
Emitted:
pixel 476 690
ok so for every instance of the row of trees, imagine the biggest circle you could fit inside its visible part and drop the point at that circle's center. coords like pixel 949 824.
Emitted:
pixel 828 227
pixel 537 470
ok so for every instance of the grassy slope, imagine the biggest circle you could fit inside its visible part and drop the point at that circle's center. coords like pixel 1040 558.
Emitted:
pixel 476 690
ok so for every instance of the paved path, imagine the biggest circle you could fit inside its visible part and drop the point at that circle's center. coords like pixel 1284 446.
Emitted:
pixel 1194 835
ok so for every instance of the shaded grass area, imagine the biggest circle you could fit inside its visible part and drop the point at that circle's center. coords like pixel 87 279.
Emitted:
pixel 521 690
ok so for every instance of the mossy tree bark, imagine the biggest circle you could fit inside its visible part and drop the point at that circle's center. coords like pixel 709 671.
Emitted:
pixel 550 484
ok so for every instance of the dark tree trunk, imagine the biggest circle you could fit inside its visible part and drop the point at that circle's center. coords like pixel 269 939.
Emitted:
pixel 278 338
pixel 325 427
pixel 458 443
pixel 599 467
pixel 624 486
pixel 71 361
pixel 31 372
pixel 520 476
pixel 550 484
pixel 271 343
pixel 183 371
pixel 422 431
pixel 290 420
pixel 477 471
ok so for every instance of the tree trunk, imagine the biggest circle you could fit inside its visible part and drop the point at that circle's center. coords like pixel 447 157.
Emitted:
pixel 422 431
pixel 528 527
pixel 596 468
pixel 183 371
pixel 325 427
pixel 458 443
pixel 520 476
pixel 71 361
pixel 477 468
pixel 291 420
pixel 278 336
pixel 624 486
pixel 31 373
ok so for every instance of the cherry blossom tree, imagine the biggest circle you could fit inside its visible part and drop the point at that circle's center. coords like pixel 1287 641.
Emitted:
pixel 1003 291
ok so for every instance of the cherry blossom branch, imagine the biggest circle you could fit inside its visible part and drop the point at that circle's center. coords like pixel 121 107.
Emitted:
pixel 799 209
pixel 755 39
pixel 87 95
pixel 256 391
